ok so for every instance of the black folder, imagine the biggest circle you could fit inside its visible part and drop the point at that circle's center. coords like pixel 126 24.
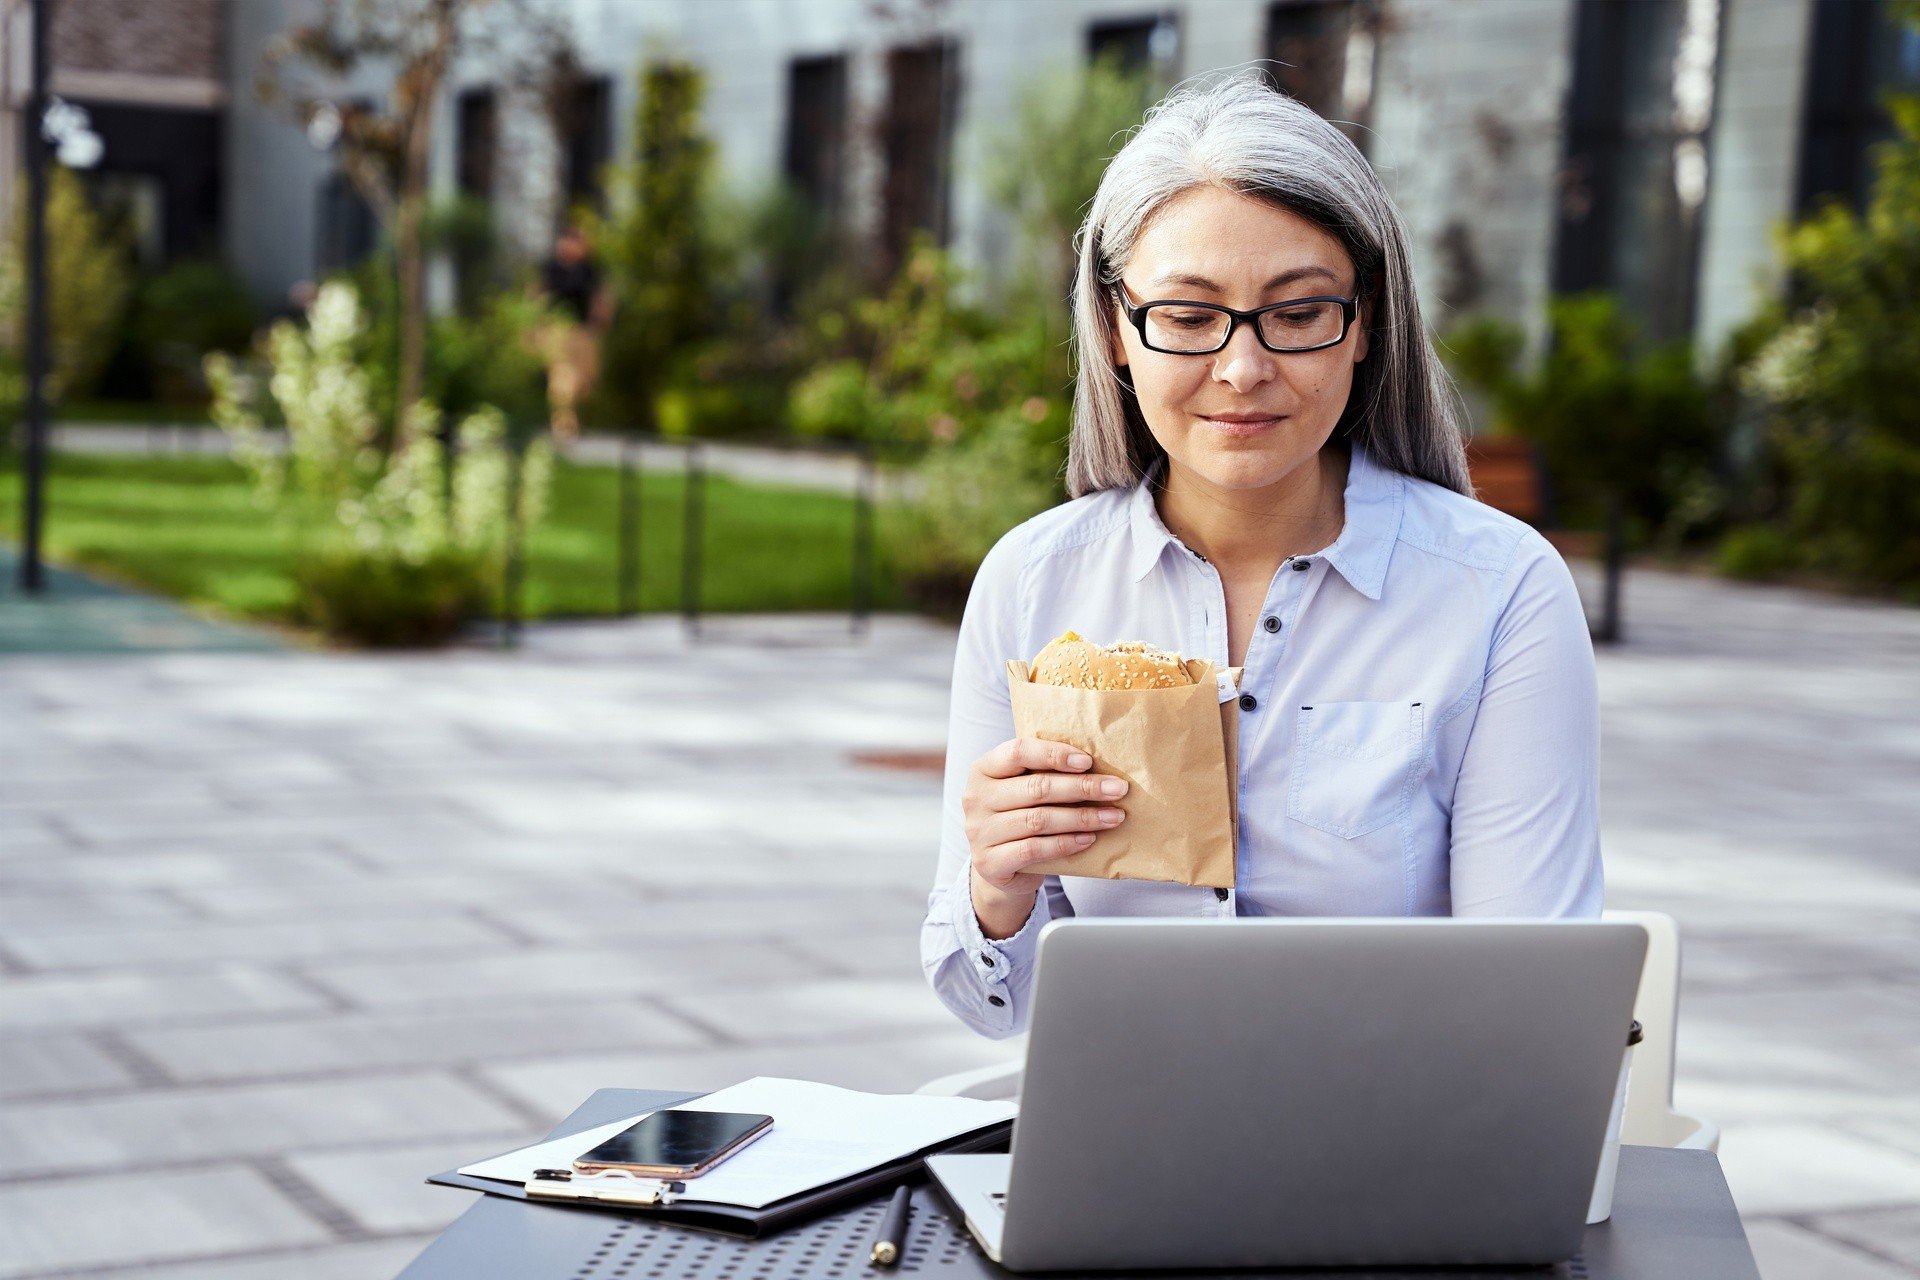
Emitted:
pixel 734 1220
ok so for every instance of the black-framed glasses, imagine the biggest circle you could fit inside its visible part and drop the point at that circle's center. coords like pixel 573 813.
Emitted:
pixel 1182 328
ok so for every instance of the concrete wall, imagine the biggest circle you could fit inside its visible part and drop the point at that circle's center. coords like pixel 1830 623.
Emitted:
pixel 1467 137
pixel 1466 124
pixel 1752 156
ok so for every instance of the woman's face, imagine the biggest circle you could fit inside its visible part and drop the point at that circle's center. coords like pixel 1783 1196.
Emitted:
pixel 1243 417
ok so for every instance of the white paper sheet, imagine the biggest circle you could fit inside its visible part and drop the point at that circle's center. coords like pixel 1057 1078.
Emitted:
pixel 820 1134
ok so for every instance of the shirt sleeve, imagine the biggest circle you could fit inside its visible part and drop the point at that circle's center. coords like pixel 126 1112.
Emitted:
pixel 1526 808
pixel 987 983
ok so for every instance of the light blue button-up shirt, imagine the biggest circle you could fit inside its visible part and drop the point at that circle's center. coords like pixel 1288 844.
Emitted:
pixel 1419 731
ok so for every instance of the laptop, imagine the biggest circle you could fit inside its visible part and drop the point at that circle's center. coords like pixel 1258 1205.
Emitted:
pixel 1307 1092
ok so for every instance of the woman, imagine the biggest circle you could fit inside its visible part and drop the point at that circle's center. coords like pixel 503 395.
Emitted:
pixel 1268 472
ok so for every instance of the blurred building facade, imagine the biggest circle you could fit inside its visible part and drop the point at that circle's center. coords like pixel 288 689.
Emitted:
pixel 1534 146
pixel 151 78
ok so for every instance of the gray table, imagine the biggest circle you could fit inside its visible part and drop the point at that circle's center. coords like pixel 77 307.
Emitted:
pixel 1673 1219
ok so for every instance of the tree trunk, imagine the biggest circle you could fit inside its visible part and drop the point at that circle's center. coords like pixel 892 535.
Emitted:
pixel 1614 563
pixel 419 88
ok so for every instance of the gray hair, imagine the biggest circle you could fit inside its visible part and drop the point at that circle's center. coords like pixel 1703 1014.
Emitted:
pixel 1237 133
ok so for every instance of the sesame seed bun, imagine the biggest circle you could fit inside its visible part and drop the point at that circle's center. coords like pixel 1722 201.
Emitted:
pixel 1076 663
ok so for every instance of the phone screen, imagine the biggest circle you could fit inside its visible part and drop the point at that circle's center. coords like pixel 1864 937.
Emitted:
pixel 676 1139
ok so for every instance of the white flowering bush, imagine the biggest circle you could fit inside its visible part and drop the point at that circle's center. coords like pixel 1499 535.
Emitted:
pixel 399 542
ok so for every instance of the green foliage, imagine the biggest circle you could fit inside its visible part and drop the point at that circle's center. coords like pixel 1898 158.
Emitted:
pixel 384 602
pixel 1614 420
pixel 1067 126
pixel 387 512
pixel 1839 382
pixel 463 228
pixel 479 357
pixel 970 494
pixel 659 250
pixel 89 279
pixel 182 313
pixel 1756 552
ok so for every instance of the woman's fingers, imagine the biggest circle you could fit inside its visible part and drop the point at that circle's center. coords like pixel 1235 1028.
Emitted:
pixel 1033 789
pixel 1049 820
pixel 1016 756
pixel 1001 864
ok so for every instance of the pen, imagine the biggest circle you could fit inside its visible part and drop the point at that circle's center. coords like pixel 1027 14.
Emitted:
pixel 893 1229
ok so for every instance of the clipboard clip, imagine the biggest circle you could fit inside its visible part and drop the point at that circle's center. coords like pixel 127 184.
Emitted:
pixel 609 1186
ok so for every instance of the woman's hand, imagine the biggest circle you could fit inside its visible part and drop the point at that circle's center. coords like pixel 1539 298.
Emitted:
pixel 1026 801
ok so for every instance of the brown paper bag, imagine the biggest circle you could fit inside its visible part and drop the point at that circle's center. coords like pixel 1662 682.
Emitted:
pixel 1177 749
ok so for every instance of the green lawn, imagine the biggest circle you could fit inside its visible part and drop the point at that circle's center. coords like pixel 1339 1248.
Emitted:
pixel 189 527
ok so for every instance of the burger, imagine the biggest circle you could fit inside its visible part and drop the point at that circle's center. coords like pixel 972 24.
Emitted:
pixel 1076 663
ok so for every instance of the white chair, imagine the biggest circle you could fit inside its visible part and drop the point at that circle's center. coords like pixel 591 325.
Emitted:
pixel 1650 1119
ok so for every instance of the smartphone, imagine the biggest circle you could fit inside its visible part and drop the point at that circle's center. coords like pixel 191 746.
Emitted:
pixel 675 1144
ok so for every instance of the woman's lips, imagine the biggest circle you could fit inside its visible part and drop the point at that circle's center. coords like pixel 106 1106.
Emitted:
pixel 1242 424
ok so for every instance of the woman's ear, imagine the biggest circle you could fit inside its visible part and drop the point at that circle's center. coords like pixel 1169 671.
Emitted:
pixel 1116 343
pixel 1360 320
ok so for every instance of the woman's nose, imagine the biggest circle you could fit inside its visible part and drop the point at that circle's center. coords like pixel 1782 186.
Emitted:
pixel 1243 363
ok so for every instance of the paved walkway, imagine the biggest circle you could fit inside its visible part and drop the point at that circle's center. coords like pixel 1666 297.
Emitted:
pixel 285 932
pixel 74 613
pixel 799 468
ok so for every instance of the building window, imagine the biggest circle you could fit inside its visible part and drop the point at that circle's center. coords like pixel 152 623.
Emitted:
pixel 586 139
pixel 478 135
pixel 1858 53
pixel 1633 179
pixel 1322 52
pixel 1140 46
pixel 346 224
pixel 922 98
pixel 816 130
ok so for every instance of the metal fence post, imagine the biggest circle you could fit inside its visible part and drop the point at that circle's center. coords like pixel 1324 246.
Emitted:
pixel 627 556
pixel 863 501
pixel 511 572
pixel 34 466
pixel 693 515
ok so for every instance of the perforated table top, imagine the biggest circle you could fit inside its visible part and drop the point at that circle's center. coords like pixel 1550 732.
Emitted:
pixel 1673 1220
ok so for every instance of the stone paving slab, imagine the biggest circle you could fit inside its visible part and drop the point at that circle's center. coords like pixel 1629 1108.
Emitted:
pixel 361 1261
pixel 156 1215
pixel 342 1043
pixel 395 911
pixel 203 1124
pixel 40 1002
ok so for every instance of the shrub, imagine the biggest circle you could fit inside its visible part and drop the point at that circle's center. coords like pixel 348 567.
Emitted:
pixel 386 601
pixel 181 314
pixel 970 494
pixel 1839 382
pixel 1756 552
pixel 1615 421
pixel 393 535
pixel 89 278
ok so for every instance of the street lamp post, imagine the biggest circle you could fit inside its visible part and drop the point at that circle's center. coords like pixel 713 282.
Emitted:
pixel 34 505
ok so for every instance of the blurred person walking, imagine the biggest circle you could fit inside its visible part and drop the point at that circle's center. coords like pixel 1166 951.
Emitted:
pixel 570 341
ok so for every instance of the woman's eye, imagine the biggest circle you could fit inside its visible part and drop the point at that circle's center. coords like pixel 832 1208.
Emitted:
pixel 1302 317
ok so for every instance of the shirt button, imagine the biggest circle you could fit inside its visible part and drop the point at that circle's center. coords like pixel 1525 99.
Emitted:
pixel 996 1002
pixel 986 960
pixel 1248 702
pixel 1272 625
pixel 1300 566
pixel 1220 894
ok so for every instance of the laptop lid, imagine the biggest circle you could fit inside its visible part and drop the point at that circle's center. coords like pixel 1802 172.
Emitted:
pixel 1316 1092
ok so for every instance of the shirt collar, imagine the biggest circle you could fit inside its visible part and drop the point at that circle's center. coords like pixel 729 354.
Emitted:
pixel 1373 503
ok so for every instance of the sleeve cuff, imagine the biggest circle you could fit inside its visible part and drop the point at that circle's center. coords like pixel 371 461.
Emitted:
pixel 994 961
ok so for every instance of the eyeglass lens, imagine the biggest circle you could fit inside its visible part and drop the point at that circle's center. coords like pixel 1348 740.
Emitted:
pixel 1173 327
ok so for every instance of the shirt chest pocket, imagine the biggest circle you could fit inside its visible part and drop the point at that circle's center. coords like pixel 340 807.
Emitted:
pixel 1353 764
